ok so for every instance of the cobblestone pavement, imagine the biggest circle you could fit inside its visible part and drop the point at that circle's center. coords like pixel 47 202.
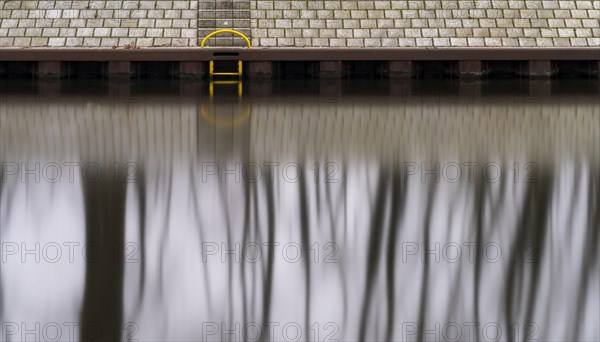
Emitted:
pixel 98 23
pixel 302 23
pixel 493 23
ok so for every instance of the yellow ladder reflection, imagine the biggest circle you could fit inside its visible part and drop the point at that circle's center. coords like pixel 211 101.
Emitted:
pixel 212 118
pixel 222 121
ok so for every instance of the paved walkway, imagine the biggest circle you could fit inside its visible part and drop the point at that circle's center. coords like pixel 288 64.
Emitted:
pixel 302 23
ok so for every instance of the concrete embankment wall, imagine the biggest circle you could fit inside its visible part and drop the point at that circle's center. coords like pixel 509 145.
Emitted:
pixel 302 23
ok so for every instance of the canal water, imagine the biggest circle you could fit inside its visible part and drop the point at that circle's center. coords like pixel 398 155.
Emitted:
pixel 300 211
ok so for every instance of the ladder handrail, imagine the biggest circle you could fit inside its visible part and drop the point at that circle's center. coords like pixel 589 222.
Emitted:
pixel 226 31
pixel 212 63
pixel 211 118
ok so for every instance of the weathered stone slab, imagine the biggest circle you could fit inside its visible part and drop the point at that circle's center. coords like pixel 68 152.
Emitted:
pixel 259 69
pixel 119 69
pixel 470 69
pixel 372 24
pixel 299 23
pixel 224 14
pixel 540 69
pixel 402 69
pixel 99 23
pixel 330 69
pixel 192 69
pixel 52 69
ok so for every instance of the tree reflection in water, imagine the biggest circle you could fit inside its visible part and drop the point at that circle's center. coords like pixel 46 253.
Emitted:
pixel 391 226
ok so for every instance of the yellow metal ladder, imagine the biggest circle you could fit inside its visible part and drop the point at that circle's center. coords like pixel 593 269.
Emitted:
pixel 211 69
pixel 214 120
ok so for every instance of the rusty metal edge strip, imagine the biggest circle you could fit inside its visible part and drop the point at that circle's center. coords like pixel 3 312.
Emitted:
pixel 300 54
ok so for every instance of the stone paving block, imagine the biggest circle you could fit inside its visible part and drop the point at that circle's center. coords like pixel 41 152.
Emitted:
pixel 76 18
pixel 540 69
pixel 370 23
pixel 191 69
pixel 50 69
pixel 119 69
pixel 470 69
pixel 330 69
pixel 402 69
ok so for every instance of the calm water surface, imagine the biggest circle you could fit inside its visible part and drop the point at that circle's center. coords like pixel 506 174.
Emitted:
pixel 331 211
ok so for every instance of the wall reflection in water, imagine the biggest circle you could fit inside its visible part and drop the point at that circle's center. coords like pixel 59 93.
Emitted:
pixel 338 216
